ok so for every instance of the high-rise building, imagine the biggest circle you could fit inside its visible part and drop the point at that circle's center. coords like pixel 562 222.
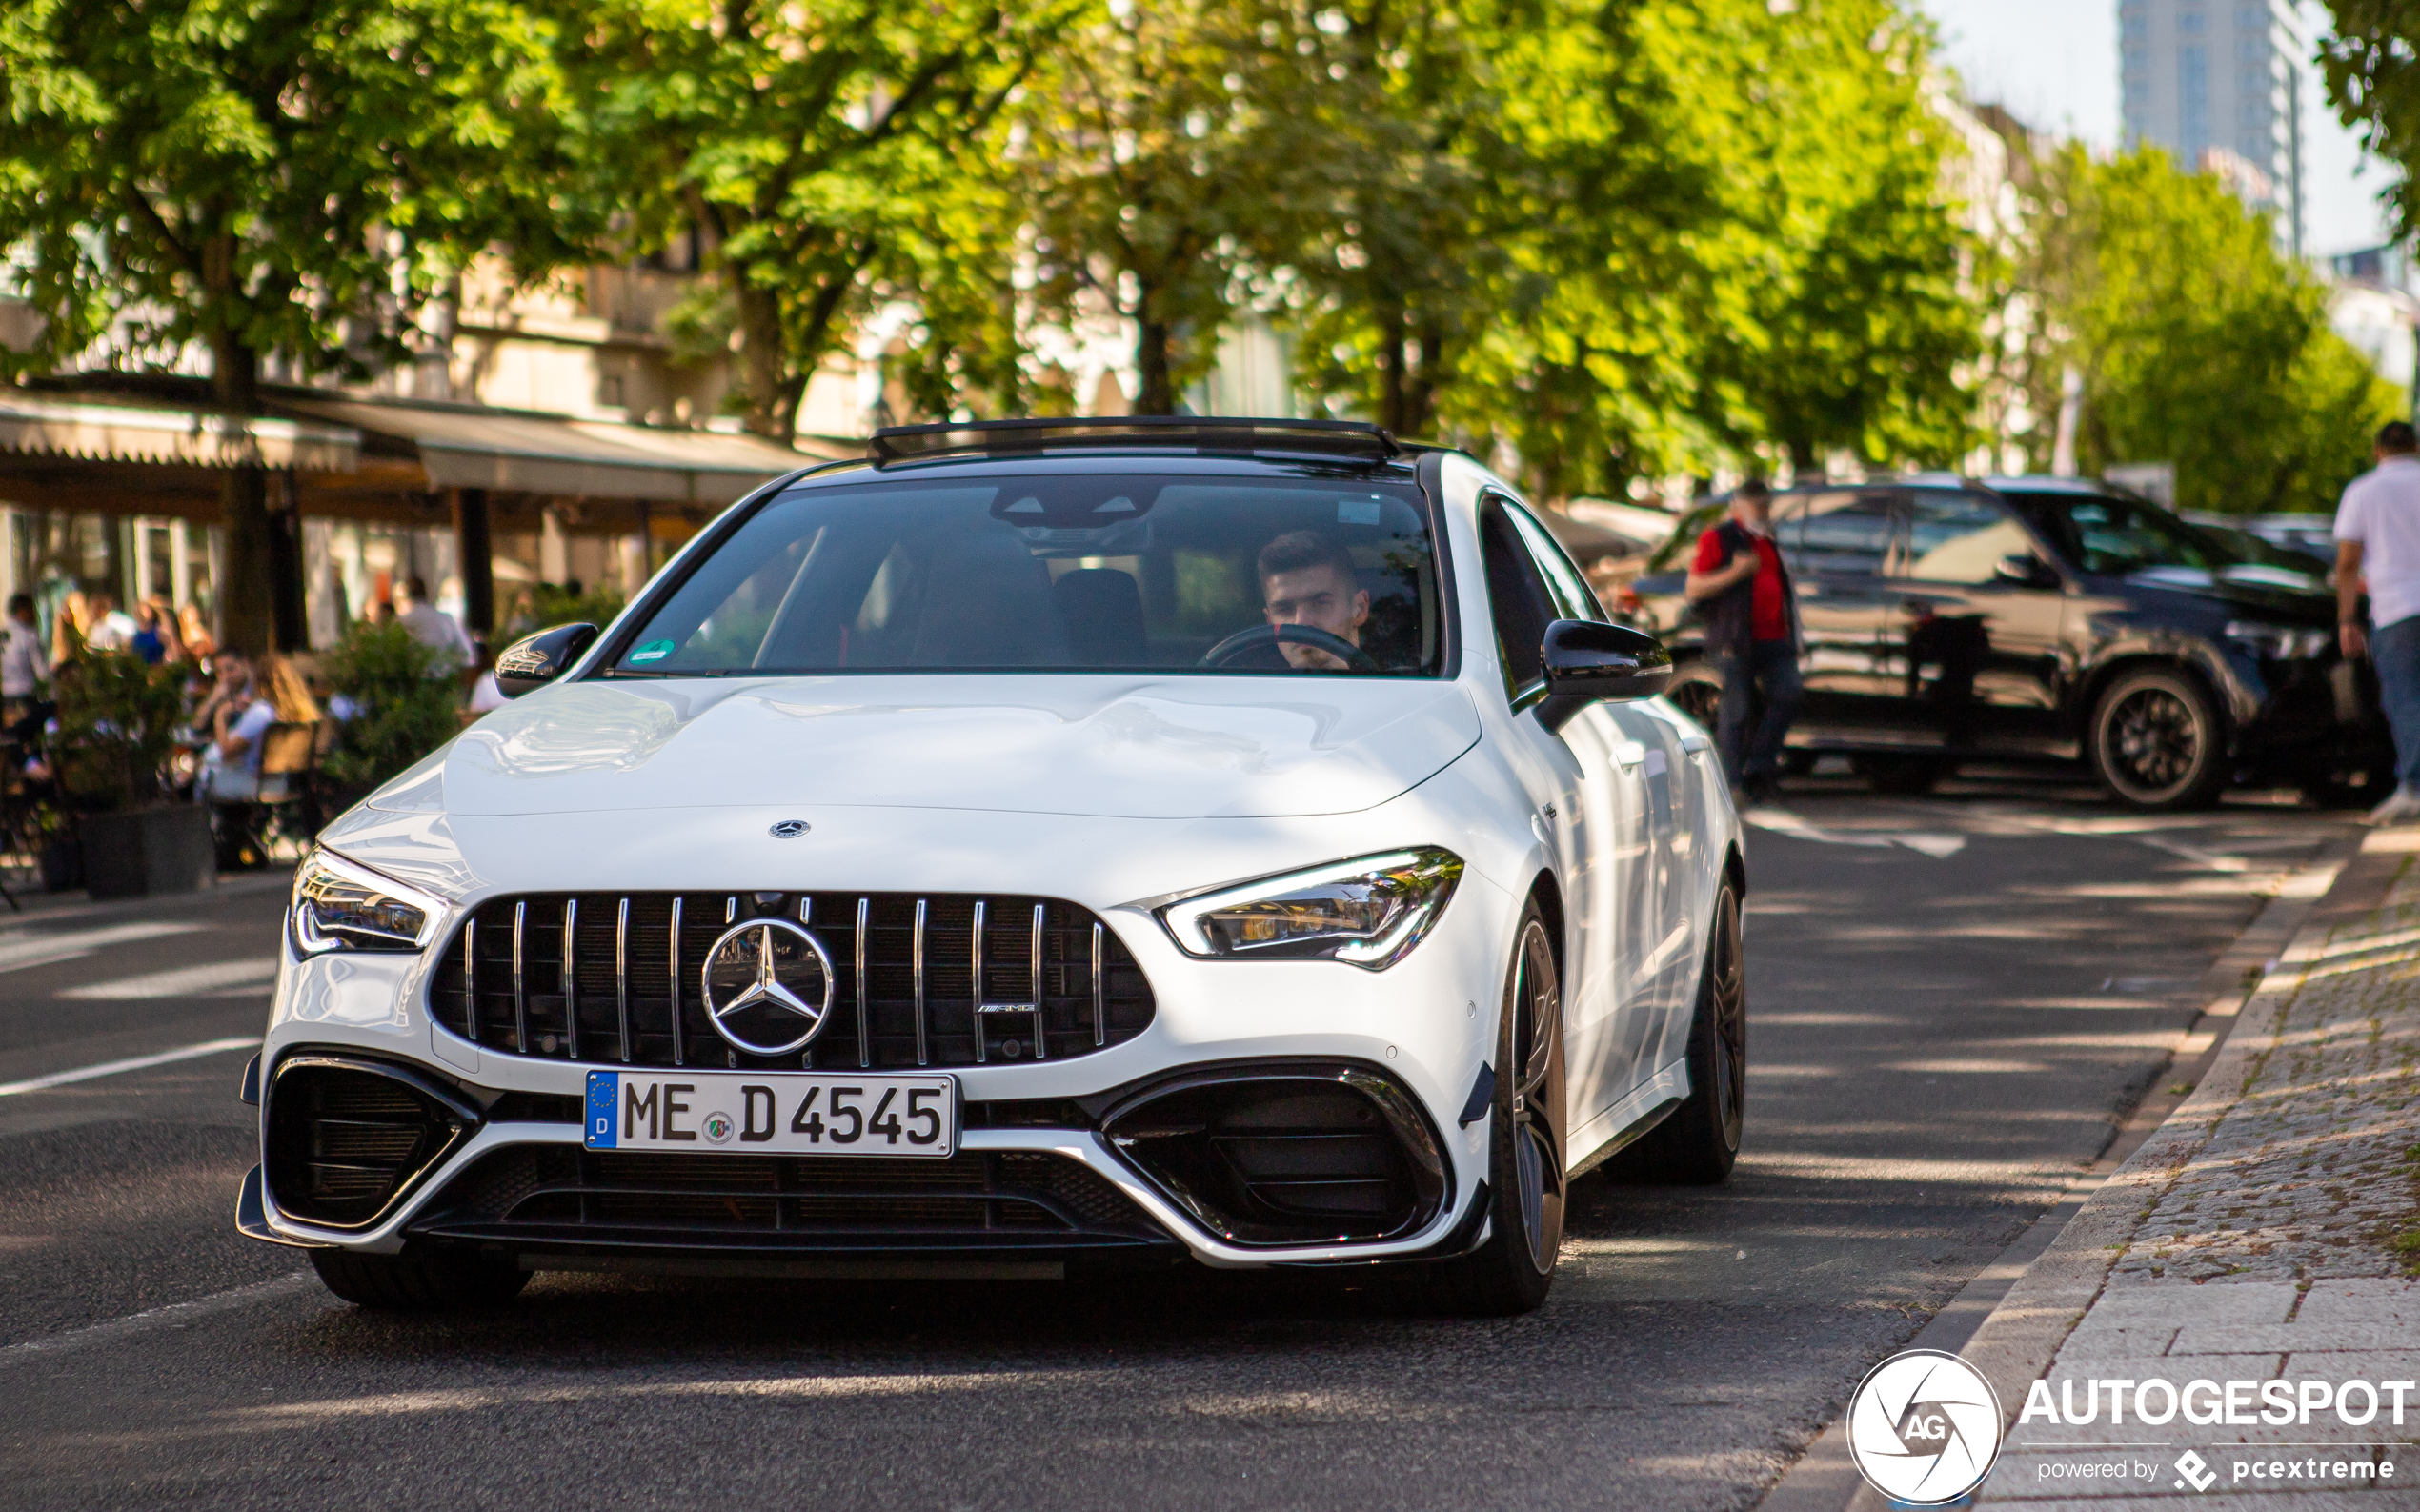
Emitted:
pixel 2219 83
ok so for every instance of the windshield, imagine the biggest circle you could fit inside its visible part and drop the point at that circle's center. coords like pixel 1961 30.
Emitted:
pixel 1077 572
pixel 2102 532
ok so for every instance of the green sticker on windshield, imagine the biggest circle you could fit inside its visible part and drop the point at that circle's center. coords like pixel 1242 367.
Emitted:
pixel 653 651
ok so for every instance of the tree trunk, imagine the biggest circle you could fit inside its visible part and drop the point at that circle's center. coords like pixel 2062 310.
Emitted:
pixel 761 368
pixel 1390 367
pixel 247 596
pixel 476 552
pixel 1158 395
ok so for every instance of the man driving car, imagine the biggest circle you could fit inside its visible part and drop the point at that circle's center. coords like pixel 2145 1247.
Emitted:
pixel 1308 580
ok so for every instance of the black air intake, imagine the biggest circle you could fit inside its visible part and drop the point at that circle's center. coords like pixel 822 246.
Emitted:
pixel 348 1138
pixel 1287 1155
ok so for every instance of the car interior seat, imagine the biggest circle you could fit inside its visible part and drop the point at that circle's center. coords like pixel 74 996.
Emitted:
pixel 1102 608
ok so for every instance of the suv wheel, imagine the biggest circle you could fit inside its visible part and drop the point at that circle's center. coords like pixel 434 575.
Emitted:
pixel 2156 740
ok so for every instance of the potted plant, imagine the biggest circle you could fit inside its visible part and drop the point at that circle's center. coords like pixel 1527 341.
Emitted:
pixel 118 717
pixel 399 701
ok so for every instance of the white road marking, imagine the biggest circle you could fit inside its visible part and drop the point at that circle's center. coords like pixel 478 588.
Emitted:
pixel 111 1068
pixel 1781 821
pixel 41 950
pixel 185 981
pixel 176 1313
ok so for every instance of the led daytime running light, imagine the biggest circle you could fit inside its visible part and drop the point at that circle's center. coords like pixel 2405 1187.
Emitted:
pixel 338 905
pixel 1368 912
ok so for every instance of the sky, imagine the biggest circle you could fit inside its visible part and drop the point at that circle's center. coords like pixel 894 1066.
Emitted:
pixel 2054 63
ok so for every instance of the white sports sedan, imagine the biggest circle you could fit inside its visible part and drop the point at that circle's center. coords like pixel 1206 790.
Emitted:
pixel 1040 847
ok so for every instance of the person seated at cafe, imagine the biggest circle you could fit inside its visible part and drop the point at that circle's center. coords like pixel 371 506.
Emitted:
pixel 23 666
pixel 249 699
pixel 110 628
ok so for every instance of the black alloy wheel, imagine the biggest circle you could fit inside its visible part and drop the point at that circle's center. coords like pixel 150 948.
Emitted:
pixel 432 1283
pixel 2156 740
pixel 1698 1144
pixel 1511 1271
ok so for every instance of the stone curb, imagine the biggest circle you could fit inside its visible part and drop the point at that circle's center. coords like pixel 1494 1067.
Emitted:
pixel 2011 1319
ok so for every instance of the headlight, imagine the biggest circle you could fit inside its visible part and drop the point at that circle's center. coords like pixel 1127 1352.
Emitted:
pixel 1368 912
pixel 341 906
pixel 2280 642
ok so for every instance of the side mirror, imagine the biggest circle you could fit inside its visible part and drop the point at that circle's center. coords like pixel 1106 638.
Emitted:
pixel 2024 570
pixel 1588 661
pixel 533 662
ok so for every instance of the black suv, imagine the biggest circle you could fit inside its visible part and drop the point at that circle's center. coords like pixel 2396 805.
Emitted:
pixel 2045 619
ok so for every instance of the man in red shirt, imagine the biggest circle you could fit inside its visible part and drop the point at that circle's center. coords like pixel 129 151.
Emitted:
pixel 1743 593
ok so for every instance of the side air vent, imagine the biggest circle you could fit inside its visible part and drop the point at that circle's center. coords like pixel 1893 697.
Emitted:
pixel 1310 1154
pixel 347 1137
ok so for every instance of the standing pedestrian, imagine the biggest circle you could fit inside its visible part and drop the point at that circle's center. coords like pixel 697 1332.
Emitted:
pixel 2378 539
pixel 435 629
pixel 1751 636
pixel 23 668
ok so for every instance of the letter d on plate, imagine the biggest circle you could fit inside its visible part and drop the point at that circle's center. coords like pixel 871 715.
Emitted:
pixel 603 1088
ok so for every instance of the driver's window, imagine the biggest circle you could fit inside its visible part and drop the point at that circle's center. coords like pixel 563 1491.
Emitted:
pixel 1518 599
pixel 1574 599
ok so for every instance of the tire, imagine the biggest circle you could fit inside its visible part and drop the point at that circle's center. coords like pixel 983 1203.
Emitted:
pixel 1698 1144
pixel 2156 740
pixel 1903 775
pixel 432 1283
pixel 1512 1271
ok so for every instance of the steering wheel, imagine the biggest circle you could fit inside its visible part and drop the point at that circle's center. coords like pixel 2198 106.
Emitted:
pixel 1236 645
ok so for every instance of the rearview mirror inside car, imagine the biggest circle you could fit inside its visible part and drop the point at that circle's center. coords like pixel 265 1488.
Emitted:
pixel 1588 661
pixel 533 662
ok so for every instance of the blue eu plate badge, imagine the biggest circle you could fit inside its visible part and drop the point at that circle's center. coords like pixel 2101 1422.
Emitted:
pixel 603 1088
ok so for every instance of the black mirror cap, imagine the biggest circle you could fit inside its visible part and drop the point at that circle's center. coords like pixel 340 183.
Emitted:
pixel 2026 570
pixel 533 662
pixel 1588 661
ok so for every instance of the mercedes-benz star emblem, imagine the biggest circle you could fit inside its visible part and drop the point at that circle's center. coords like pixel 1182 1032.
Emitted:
pixel 789 829
pixel 767 983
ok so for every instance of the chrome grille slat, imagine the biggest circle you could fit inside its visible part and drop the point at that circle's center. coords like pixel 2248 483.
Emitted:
pixel 470 979
pixel 865 1021
pixel 918 958
pixel 672 959
pixel 904 997
pixel 980 1033
pixel 622 977
pixel 571 977
pixel 521 994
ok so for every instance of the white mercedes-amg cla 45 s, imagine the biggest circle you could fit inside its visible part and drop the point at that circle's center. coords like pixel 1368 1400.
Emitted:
pixel 1040 847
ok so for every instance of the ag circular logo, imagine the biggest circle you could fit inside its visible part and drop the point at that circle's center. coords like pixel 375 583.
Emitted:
pixel 768 986
pixel 1924 1427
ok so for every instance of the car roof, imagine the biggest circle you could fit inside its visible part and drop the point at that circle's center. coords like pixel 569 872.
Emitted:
pixel 2045 483
pixel 1232 437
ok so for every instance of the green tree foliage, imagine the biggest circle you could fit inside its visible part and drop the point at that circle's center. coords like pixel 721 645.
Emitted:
pixel 1628 237
pixel 542 606
pixel 816 145
pixel 2200 343
pixel 2371 62
pixel 259 178
pixel 406 703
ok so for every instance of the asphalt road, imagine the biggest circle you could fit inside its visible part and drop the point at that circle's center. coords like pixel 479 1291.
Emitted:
pixel 1951 1001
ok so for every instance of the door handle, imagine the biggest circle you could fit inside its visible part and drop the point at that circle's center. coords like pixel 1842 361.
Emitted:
pixel 1629 752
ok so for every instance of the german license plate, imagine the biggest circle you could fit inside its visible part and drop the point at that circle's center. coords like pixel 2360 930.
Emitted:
pixel 743 1112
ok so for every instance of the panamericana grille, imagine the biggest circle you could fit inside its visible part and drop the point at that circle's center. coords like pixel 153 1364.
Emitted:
pixel 943 979
pixel 563 1192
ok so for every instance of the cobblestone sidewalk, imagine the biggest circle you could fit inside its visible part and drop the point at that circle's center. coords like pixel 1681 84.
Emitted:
pixel 2269 1232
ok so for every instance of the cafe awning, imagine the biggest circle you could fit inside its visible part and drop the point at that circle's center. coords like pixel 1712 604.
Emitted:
pixel 159 435
pixel 463 445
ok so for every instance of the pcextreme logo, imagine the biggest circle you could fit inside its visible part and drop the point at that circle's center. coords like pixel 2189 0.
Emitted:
pixel 1923 1427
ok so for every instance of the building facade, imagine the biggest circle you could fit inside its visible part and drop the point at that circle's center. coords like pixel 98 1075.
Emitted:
pixel 2221 85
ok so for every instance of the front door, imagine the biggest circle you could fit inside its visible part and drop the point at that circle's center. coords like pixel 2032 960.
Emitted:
pixel 1975 649
pixel 1839 544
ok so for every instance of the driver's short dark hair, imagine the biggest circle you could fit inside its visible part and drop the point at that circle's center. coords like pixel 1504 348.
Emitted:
pixel 1295 550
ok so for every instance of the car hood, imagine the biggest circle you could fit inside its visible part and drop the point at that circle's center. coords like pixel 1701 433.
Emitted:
pixel 2270 592
pixel 1112 747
